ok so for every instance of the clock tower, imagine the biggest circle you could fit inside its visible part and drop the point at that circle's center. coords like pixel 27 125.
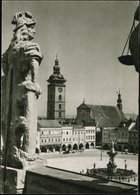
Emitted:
pixel 56 94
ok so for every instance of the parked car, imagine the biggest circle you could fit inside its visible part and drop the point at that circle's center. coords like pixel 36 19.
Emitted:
pixel 66 152
pixel 72 151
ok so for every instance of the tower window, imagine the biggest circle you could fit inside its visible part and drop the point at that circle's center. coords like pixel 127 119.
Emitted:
pixel 60 97
pixel 59 106
pixel 59 114
pixel 51 96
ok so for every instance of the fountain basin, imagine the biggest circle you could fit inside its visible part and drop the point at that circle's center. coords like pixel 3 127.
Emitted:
pixel 119 175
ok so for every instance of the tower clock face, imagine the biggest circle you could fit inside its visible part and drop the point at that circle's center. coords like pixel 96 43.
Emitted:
pixel 60 89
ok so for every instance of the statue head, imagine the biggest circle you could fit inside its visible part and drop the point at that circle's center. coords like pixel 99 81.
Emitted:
pixel 24 26
pixel 23 18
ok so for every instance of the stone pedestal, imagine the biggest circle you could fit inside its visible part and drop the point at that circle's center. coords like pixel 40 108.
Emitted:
pixel 14 182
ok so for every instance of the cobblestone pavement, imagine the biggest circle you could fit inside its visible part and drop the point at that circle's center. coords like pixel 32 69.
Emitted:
pixel 81 161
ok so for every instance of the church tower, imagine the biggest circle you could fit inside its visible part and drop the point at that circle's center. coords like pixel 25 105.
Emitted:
pixel 56 94
pixel 119 101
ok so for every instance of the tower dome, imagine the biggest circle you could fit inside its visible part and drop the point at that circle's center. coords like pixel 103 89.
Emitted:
pixel 56 77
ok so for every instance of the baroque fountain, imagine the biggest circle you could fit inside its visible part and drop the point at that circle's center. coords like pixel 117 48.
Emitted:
pixel 111 172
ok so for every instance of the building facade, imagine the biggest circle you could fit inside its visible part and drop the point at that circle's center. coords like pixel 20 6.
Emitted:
pixel 133 140
pixel 78 141
pixel 55 137
pixel 56 94
pixel 125 137
pixel 122 137
pixel 90 137
pixel 67 136
pixel 108 135
pixel 50 135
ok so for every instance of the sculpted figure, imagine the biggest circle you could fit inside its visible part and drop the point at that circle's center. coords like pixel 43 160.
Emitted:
pixel 20 91
pixel 134 47
pixel 134 42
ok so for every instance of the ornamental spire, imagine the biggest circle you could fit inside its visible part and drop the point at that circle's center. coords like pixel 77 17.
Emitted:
pixel 119 101
pixel 56 68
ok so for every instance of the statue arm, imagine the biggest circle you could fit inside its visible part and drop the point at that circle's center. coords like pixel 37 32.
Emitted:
pixel 31 52
pixel 34 69
pixel 34 65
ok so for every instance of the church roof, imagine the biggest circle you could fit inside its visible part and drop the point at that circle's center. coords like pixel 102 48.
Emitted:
pixel 48 123
pixel 104 115
pixel 107 116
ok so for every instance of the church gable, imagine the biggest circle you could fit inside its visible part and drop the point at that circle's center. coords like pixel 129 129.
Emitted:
pixel 83 106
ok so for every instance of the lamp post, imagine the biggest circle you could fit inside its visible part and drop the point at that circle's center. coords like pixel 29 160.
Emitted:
pixel 101 144
pixel 125 164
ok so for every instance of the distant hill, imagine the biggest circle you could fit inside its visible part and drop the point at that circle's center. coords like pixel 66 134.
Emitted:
pixel 131 115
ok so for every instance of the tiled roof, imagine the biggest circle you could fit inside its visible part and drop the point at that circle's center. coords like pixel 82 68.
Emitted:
pixel 107 116
pixel 48 123
pixel 133 129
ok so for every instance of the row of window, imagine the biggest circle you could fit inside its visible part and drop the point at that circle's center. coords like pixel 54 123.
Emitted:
pixel 62 132
pixel 91 137
pixel 58 140
pixel 134 142
pixel 51 132
pixel 115 135
pixel 59 98
pixel 134 135
pixel 90 131
pixel 107 140
pixel 50 140
pixel 59 106
pixel 70 132
pixel 70 139
pixel 109 134
pixel 123 134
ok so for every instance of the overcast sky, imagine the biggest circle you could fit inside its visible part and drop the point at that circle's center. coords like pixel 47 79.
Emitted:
pixel 88 37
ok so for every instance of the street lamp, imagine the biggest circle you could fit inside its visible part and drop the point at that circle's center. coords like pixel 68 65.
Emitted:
pixel 101 144
pixel 125 164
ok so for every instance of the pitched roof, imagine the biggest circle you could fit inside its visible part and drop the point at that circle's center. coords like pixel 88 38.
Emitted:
pixel 106 116
pixel 133 130
pixel 48 123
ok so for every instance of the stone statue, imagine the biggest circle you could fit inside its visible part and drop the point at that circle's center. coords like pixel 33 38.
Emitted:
pixel 134 42
pixel 111 166
pixel 134 47
pixel 20 91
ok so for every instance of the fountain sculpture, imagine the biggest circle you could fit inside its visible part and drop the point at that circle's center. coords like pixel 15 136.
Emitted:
pixel 111 166
pixel 112 172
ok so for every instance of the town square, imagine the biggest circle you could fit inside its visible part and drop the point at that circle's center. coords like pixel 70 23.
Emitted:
pixel 70 118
